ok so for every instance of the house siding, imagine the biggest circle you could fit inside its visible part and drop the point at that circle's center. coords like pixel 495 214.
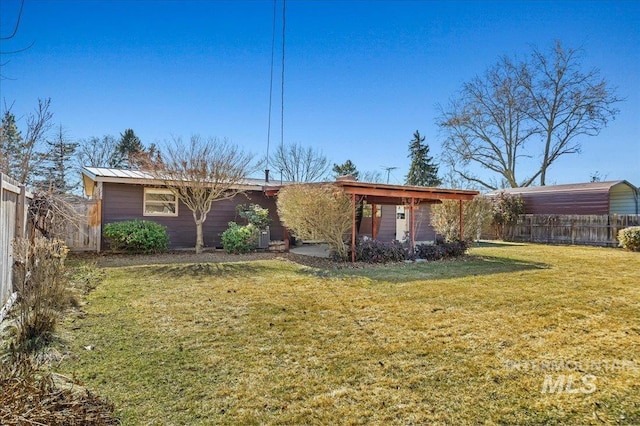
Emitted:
pixel 387 231
pixel 623 200
pixel 125 202
pixel 424 230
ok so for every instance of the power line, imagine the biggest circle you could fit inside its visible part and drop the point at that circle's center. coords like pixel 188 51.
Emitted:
pixel 284 26
pixel 273 48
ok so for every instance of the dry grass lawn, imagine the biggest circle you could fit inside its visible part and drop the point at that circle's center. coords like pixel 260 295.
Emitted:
pixel 463 342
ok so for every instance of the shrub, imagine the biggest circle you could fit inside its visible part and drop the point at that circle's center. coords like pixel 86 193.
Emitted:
pixel 440 251
pixel 374 251
pixel 506 209
pixel 41 283
pixel 476 215
pixel 629 238
pixel 317 211
pixel 239 239
pixel 137 236
pixel 254 215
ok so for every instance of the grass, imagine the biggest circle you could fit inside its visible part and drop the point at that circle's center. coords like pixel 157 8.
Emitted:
pixel 273 342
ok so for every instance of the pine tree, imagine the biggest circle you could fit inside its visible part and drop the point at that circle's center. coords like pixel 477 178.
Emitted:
pixel 344 169
pixel 58 164
pixel 129 147
pixel 423 172
pixel 11 144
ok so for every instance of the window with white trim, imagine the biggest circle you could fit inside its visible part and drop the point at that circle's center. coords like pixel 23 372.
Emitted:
pixel 160 202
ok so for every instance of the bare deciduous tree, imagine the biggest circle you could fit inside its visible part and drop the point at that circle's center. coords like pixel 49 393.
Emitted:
pixel 200 173
pixel 566 102
pixel 524 114
pixel 98 152
pixel 300 164
pixel 20 154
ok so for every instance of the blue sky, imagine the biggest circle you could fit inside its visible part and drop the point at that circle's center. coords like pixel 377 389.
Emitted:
pixel 361 76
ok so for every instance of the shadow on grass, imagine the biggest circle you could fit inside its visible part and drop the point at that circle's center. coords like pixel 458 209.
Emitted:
pixel 209 269
pixel 469 266
pixel 495 244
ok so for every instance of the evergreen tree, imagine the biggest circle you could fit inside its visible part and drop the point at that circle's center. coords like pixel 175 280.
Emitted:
pixel 58 164
pixel 11 144
pixel 423 172
pixel 129 147
pixel 346 168
pixel 20 156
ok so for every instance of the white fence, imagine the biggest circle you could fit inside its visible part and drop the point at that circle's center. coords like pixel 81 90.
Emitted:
pixel 14 202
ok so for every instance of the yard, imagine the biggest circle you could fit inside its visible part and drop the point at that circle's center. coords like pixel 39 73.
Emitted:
pixel 513 334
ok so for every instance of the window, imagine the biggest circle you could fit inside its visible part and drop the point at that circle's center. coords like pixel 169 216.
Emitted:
pixel 367 211
pixel 160 202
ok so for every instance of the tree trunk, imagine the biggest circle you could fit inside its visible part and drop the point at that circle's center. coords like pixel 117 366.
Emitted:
pixel 199 239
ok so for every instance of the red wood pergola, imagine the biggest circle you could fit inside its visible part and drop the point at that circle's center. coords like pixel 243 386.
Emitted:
pixel 385 194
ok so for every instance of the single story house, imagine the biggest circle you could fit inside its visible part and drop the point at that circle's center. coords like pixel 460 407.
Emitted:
pixel 617 197
pixel 131 194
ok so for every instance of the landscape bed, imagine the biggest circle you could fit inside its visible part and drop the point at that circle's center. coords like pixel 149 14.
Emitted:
pixel 511 334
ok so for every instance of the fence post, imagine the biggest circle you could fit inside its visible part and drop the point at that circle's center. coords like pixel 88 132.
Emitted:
pixel 20 208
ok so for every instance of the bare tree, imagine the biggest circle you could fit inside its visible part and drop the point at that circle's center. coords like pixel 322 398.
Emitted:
pixel 526 113
pixel 19 154
pixel 300 164
pixel 9 36
pixel 200 173
pixel 98 152
pixel 566 102
pixel 487 125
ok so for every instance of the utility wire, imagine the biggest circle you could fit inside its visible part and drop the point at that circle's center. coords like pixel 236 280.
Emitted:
pixel 284 26
pixel 273 47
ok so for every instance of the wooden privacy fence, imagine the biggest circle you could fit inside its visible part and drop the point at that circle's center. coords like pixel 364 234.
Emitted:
pixel 85 234
pixel 14 202
pixel 598 230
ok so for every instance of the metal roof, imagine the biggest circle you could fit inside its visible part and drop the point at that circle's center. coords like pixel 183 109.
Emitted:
pixel 104 174
pixel 585 186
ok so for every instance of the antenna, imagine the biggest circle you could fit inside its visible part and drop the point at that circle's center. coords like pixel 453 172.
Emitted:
pixel 388 169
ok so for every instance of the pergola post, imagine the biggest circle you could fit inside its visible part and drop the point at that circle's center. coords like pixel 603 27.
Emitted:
pixel 374 213
pixel 353 228
pixel 412 226
pixel 461 222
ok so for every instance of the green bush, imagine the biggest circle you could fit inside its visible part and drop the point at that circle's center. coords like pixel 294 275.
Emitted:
pixel 630 238
pixel 254 215
pixel 137 236
pixel 239 239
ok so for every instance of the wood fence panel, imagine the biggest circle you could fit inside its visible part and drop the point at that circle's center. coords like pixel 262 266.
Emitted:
pixel 85 235
pixel 11 220
pixel 599 230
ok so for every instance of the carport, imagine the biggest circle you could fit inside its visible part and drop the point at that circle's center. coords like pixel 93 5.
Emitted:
pixel 386 194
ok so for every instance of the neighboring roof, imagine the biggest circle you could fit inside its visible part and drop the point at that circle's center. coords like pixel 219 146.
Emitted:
pixel 575 198
pixel 586 186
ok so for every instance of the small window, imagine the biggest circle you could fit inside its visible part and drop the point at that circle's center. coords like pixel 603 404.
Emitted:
pixel 367 211
pixel 160 202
